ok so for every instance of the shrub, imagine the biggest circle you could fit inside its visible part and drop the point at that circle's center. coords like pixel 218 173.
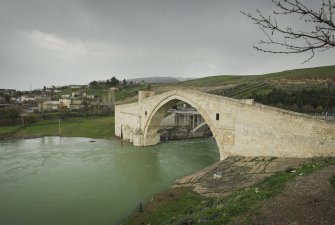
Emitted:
pixel 9 113
pixel 307 108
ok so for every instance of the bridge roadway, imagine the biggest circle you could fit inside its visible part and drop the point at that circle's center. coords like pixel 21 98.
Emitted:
pixel 240 127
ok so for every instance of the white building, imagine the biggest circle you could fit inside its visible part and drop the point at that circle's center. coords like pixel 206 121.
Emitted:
pixel 24 99
pixel 76 105
pixel 190 118
pixel 66 96
pixel 51 105
pixel 65 102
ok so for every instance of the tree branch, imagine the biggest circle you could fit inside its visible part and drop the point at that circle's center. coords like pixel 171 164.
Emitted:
pixel 320 38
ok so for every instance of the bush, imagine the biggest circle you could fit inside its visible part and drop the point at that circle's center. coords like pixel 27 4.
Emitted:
pixel 9 113
pixel 295 108
pixel 319 109
pixel 307 109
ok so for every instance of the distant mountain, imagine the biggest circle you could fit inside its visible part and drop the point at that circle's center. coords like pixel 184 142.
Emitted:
pixel 159 80
pixel 185 78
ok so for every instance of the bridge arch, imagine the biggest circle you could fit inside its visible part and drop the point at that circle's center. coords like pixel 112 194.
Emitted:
pixel 152 124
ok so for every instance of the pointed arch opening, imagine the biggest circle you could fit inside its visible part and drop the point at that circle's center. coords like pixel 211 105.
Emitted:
pixel 151 128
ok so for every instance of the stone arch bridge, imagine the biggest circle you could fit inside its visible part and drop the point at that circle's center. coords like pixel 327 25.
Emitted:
pixel 240 127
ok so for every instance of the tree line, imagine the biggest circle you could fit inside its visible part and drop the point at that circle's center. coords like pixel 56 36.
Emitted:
pixel 305 101
pixel 113 82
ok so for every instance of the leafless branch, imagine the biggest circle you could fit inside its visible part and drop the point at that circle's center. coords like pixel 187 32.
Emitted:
pixel 291 41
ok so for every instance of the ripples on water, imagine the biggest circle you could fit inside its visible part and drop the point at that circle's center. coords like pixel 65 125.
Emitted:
pixel 64 181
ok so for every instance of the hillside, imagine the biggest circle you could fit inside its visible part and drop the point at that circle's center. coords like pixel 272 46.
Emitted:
pixel 326 72
pixel 310 90
pixel 157 80
pixel 235 86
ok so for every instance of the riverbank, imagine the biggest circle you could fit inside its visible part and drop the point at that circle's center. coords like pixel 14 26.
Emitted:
pixel 242 190
pixel 95 127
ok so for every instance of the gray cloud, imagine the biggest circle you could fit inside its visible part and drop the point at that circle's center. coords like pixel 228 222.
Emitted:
pixel 44 42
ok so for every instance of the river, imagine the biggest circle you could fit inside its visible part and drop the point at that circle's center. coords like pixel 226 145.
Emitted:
pixel 63 181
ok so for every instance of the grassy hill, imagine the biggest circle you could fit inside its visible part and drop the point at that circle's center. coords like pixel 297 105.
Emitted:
pixel 326 72
pixel 235 86
pixel 307 90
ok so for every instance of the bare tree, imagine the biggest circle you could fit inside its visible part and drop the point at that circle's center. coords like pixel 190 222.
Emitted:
pixel 287 39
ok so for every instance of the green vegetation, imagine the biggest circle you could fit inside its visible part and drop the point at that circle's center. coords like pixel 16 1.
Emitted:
pixel 326 72
pixel 9 113
pixel 186 207
pixel 244 90
pixel 317 99
pixel 166 208
pixel 310 73
pixel 101 127
pixel 303 90
pixel 129 92
pixel 307 101
pixel 9 116
pixel 218 80
pixel 113 82
pixel 8 129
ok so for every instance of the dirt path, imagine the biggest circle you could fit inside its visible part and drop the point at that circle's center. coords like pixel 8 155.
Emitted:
pixel 308 200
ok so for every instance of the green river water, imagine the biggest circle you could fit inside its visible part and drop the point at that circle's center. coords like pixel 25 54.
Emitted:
pixel 63 181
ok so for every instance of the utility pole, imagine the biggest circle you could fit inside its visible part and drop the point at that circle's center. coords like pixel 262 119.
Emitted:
pixel 328 99
pixel 109 100
pixel 98 103
pixel 113 100
pixel 326 103
pixel 59 129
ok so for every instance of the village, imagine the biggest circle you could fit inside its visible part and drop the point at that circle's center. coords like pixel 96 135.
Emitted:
pixel 96 98
pixel 49 100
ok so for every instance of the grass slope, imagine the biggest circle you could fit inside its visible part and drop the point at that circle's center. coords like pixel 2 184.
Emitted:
pixel 102 127
pixel 249 86
pixel 8 129
pixel 316 72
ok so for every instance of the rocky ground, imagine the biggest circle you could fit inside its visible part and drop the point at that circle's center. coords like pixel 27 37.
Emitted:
pixel 309 200
pixel 174 132
pixel 178 133
pixel 235 173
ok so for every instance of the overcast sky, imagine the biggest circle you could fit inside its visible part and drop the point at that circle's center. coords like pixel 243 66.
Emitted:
pixel 58 42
